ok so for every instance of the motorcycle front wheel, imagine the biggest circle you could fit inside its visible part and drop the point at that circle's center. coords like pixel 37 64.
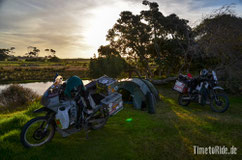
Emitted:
pixel 37 132
pixel 183 99
pixel 219 103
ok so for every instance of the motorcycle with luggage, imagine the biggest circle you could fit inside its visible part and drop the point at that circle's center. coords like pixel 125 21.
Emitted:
pixel 203 90
pixel 70 107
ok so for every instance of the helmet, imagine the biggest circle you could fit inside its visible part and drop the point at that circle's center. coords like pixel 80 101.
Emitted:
pixel 203 72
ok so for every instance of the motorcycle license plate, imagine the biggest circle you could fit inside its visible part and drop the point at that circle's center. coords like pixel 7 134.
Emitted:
pixel 179 86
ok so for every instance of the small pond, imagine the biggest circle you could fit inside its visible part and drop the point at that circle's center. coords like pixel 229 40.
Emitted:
pixel 38 87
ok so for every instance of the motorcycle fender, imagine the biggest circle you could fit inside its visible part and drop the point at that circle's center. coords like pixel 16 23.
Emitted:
pixel 43 109
pixel 218 87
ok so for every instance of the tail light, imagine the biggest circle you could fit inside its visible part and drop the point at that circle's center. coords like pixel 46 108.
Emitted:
pixel 189 75
pixel 185 90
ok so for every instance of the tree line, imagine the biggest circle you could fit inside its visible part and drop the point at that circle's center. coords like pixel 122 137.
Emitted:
pixel 31 55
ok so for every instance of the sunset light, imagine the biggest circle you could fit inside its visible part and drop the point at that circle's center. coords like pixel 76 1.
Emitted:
pixel 120 79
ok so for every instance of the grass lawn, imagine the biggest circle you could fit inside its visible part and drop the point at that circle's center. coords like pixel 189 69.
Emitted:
pixel 171 133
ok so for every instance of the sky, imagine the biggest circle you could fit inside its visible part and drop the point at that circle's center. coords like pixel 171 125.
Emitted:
pixel 76 28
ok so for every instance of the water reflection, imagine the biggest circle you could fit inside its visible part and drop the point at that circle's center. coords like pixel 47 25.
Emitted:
pixel 38 87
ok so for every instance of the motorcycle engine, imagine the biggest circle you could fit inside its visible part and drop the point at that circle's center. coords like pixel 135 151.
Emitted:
pixel 72 112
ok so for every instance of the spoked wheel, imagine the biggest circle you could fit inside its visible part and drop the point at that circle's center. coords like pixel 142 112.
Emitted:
pixel 100 118
pixel 220 103
pixel 37 132
pixel 184 99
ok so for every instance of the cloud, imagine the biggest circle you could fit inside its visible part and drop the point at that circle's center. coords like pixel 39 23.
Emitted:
pixel 1 2
pixel 76 28
pixel 62 26
pixel 44 24
pixel 190 7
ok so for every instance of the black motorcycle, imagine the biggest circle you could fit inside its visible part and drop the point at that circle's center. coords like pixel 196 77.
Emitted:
pixel 203 90
pixel 85 109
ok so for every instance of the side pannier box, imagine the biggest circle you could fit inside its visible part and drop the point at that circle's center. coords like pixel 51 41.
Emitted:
pixel 113 102
pixel 106 85
pixel 179 86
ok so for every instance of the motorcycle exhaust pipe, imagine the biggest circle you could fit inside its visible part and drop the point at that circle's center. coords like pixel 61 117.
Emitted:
pixel 186 98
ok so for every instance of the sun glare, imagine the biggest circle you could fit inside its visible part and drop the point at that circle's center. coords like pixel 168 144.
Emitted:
pixel 97 27
pixel 103 18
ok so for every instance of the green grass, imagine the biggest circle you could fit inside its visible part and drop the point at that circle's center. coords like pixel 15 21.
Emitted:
pixel 168 134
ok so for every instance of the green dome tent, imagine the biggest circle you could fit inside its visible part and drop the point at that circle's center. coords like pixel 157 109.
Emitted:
pixel 141 93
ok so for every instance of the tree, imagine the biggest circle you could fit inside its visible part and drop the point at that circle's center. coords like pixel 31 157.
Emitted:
pixel 182 35
pixel 112 66
pixel 152 39
pixel 130 37
pixel 52 56
pixel 172 38
pixel 54 59
pixel 4 53
pixel 52 52
pixel 155 19
pixel 220 38
pixel 33 52
pixel 11 49
pixel 106 51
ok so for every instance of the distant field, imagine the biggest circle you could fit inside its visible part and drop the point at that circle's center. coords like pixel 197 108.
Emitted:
pixel 169 134
pixel 64 62
pixel 21 71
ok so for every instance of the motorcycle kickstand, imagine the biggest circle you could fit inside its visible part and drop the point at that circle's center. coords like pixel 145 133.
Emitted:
pixel 87 137
pixel 87 130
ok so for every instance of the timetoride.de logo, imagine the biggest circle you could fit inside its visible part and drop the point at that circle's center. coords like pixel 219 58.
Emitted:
pixel 210 150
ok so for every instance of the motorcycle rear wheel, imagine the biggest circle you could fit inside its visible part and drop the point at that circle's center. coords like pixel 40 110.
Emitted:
pixel 39 135
pixel 181 100
pixel 221 104
pixel 99 119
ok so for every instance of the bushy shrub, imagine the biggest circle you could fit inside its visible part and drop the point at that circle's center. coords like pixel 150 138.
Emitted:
pixel 34 59
pixel 54 59
pixel 16 96
pixel 13 59
pixel 112 66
